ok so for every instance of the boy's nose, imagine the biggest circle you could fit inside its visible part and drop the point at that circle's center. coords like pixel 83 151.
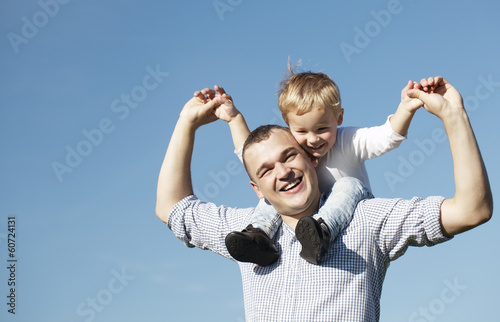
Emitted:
pixel 313 138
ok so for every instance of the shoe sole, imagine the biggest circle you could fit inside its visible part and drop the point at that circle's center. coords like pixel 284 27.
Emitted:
pixel 244 249
pixel 307 232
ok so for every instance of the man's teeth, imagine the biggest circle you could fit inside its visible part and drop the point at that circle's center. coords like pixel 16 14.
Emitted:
pixel 291 185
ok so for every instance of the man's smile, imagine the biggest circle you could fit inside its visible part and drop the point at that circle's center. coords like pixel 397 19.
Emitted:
pixel 292 185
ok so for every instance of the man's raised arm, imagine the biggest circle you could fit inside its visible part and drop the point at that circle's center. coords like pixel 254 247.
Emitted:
pixel 472 204
pixel 174 182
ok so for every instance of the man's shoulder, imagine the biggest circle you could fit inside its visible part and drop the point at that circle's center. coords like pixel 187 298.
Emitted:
pixel 372 211
pixel 378 210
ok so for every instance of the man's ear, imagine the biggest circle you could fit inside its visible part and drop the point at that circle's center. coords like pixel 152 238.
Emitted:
pixel 257 190
pixel 340 119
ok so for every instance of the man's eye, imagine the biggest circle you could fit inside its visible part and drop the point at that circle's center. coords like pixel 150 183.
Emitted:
pixel 265 172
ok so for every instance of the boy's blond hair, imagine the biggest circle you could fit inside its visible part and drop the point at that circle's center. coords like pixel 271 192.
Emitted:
pixel 303 92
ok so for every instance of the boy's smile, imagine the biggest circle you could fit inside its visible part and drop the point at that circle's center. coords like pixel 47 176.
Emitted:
pixel 315 131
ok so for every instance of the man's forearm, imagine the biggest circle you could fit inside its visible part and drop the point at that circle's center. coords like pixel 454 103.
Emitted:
pixel 174 182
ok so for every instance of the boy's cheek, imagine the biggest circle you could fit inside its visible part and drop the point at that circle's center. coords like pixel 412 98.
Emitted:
pixel 332 138
pixel 300 139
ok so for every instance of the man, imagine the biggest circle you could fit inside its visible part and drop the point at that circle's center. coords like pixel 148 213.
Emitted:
pixel 347 285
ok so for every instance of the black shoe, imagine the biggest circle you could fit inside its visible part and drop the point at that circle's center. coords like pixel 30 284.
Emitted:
pixel 314 237
pixel 252 245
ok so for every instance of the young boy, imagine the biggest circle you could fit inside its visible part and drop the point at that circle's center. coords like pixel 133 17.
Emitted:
pixel 311 106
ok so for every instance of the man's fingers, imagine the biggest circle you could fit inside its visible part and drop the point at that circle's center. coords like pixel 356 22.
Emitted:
pixel 199 95
pixel 425 84
pixel 219 89
pixel 210 93
pixel 227 97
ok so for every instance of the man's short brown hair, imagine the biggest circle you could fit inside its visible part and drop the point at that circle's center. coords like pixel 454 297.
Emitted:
pixel 261 133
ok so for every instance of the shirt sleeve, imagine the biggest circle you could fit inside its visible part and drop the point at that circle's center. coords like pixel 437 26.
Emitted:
pixel 369 142
pixel 398 223
pixel 239 154
pixel 204 225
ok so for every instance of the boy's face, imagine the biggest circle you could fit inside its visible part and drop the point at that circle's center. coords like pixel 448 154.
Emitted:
pixel 315 131
pixel 284 174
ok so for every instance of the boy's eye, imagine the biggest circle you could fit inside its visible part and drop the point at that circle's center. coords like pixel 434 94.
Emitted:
pixel 322 129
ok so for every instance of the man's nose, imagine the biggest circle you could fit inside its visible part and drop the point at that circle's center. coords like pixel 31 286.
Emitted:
pixel 282 171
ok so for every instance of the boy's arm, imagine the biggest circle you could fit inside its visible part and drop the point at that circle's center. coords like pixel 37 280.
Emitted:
pixel 401 119
pixel 367 143
pixel 472 203
pixel 239 131
pixel 227 112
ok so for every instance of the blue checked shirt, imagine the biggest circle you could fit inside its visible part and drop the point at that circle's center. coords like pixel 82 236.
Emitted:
pixel 346 286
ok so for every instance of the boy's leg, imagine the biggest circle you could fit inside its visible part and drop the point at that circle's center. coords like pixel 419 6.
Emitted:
pixel 316 232
pixel 254 243
pixel 339 207
pixel 266 218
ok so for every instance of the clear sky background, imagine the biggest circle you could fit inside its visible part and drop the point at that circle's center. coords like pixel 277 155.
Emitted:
pixel 90 92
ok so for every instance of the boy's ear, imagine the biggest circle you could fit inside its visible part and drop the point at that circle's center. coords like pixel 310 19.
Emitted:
pixel 341 117
pixel 257 190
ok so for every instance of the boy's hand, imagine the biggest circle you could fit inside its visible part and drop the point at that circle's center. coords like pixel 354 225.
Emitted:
pixel 226 111
pixel 408 103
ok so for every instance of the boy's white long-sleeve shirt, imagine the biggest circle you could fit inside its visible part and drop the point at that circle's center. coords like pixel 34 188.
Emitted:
pixel 353 146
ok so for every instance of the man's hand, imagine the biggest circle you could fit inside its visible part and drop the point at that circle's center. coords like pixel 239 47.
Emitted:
pixel 226 110
pixel 440 97
pixel 199 111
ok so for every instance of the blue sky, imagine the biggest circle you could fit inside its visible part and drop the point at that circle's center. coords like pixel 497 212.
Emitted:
pixel 91 91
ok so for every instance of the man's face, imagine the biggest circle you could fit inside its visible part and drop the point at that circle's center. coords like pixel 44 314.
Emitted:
pixel 282 173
